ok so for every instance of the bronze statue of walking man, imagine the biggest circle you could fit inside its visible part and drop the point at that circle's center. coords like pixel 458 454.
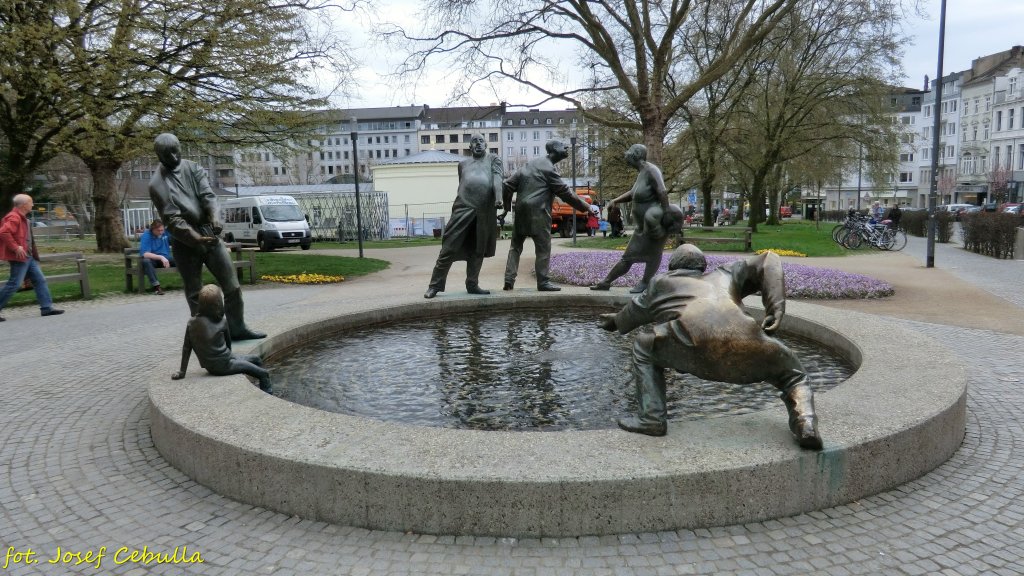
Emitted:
pixel 536 186
pixel 181 193
pixel 700 328
pixel 654 219
pixel 472 232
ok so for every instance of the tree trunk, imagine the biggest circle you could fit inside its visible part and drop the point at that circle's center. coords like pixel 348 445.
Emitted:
pixel 108 224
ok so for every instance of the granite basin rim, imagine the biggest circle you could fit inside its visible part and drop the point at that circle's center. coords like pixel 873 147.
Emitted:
pixel 882 427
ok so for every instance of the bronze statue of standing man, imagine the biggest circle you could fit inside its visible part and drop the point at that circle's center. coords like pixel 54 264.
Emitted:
pixel 181 193
pixel 653 217
pixel 536 186
pixel 472 232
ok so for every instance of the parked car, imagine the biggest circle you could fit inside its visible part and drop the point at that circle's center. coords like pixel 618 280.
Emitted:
pixel 1010 207
pixel 955 209
pixel 785 211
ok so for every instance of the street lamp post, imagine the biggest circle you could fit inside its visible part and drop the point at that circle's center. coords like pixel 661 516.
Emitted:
pixel 933 188
pixel 355 174
pixel 572 143
pixel 860 162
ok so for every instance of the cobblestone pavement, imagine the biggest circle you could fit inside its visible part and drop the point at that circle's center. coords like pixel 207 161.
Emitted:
pixel 79 472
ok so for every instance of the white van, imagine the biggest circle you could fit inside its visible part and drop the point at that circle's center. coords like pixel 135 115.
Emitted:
pixel 265 221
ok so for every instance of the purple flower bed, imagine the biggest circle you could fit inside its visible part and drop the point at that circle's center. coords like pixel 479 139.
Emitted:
pixel 590 267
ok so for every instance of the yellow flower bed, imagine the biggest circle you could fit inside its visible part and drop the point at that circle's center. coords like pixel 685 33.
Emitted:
pixel 783 252
pixel 304 279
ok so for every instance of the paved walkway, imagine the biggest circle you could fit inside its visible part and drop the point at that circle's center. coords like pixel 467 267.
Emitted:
pixel 78 469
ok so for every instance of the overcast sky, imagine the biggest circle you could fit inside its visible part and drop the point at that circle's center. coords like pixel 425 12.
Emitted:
pixel 973 28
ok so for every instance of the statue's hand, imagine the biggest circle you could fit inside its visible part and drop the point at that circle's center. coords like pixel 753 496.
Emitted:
pixel 217 226
pixel 771 323
pixel 209 240
pixel 177 375
pixel 607 322
pixel 498 205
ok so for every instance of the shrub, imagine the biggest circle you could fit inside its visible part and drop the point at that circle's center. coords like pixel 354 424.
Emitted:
pixel 990 233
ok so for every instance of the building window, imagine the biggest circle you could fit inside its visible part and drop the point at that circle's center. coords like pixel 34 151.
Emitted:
pixel 330 169
pixel 536 134
pixel 1009 119
pixel 330 155
pixel 510 152
pixel 1013 85
pixel 406 138
pixel 906 177
pixel 492 137
pixel 467 137
pixel 522 135
pixel 424 139
pixel 406 151
pixel 510 136
pixel 988 103
pixel 536 121
pixel 907 157
pixel 276 171
pixel 927 111
pixel 522 122
pixel 522 151
pixel 439 139
pixel 536 150
pixel 346 155
pixel 547 121
pixel 926 153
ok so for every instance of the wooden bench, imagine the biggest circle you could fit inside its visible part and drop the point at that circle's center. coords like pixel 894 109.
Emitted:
pixel 736 236
pixel 81 276
pixel 134 274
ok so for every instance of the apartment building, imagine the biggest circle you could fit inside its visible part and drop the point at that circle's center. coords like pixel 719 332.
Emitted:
pixel 450 129
pixel 991 126
pixel 948 149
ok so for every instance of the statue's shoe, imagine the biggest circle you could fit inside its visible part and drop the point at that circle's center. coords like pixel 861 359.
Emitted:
pixel 633 424
pixel 430 293
pixel 477 290
pixel 248 334
pixel 806 431
pixel 548 288
pixel 603 286
pixel 638 288
pixel 507 287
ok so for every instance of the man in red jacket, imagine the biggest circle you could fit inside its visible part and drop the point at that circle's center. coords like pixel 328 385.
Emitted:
pixel 18 248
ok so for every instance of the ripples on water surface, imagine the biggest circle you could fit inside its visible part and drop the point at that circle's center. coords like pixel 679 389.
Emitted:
pixel 516 370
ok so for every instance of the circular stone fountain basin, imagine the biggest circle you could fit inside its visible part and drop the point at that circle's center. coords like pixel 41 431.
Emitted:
pixel 881 428
pixel 531 370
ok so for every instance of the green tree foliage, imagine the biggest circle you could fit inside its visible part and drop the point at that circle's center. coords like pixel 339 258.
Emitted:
pixel 820 87
pixel 225 73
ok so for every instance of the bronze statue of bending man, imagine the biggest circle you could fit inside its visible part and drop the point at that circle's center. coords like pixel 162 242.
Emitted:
pixel 700 327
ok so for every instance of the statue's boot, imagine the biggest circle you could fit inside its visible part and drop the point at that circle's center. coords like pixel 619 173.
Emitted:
pixel 602 285
pixel 234 309
pixel 803 423
pixel 638 288
pixel 476 289
pixel 652 416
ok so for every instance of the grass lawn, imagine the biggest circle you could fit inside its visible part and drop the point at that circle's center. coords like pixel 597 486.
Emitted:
pixel 106 271
pixel 796 235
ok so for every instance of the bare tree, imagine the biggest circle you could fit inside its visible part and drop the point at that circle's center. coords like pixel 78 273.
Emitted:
pixel 999 181
pixel 820 79
pixel 632 49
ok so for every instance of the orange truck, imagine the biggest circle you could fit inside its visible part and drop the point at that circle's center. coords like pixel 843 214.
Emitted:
pixel 561 215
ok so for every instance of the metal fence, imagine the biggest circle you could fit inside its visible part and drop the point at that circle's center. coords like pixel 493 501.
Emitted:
pixel 332 215
pixel 408 220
